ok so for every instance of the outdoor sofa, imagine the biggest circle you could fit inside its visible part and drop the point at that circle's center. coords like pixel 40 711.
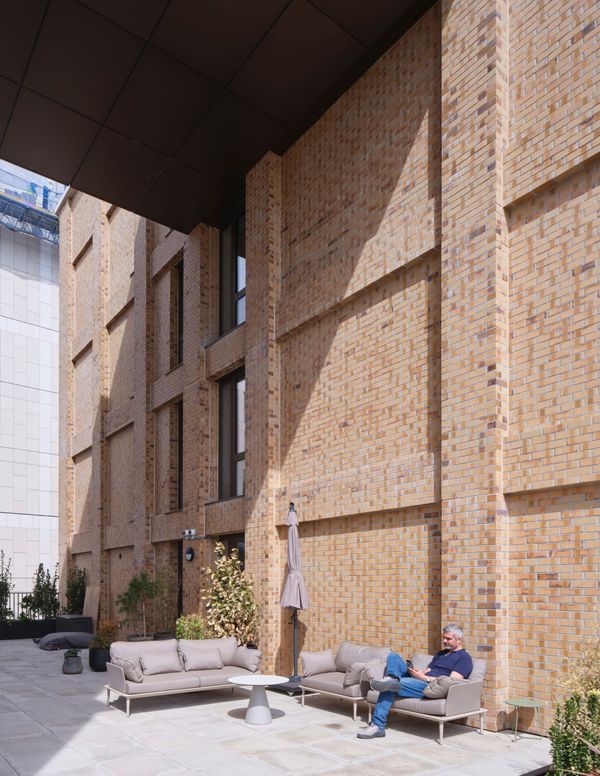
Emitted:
pixel 147 669
pixel 342 676
pixel 462 701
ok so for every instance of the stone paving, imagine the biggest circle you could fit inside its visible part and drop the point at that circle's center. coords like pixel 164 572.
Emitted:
pixel 51 723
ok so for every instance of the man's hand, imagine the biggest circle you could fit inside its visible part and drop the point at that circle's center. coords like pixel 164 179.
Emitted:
pixel 417 674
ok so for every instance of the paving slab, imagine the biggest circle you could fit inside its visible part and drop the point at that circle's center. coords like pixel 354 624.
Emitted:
pixel 52 724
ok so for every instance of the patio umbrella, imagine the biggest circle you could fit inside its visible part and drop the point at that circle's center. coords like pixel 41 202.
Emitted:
pixel 294 595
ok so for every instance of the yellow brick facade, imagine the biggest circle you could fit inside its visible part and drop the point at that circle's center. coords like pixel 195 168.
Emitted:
pixel 421 358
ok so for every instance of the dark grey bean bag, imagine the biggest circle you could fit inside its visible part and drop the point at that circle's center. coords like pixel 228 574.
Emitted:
pixel 65 640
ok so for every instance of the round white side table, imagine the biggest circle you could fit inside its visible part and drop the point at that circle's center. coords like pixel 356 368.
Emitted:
pixel 259 712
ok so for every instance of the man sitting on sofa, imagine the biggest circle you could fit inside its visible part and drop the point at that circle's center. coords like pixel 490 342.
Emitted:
pixel 401 681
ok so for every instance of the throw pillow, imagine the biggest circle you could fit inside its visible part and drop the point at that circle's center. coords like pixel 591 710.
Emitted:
pixel 317 662
pixel 246 658
pixel 353 674
pixel 439 687
pixel 374 669
pixel 201 659
pixel 160 662
pixel 131 670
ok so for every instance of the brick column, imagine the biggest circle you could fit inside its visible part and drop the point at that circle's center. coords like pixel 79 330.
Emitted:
pixel 263 252
pixel 474 333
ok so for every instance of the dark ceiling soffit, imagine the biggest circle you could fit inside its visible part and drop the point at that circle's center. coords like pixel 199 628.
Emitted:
pixel 174 191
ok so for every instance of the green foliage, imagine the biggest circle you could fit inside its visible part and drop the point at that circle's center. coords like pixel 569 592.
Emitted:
pixel 231 609
pixel 75 590
pixel 106 633
pixel 71 652
pixel 575 735
pixel 43 599
pixel 582 670
pixel 132 603
pixel 6 586
pixel 191 626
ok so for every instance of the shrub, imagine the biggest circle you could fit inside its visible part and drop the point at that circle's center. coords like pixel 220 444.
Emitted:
pixel 575 735
pixel 190 626
pixel 231 609
pixel 75 590
pixel 43 599
pixel 106 633
pixel 6 587
pixel 133 601
pixel 72 652
pixel 582 670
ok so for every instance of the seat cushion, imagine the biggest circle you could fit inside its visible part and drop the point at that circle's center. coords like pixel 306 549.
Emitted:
pixel 333 681
pixel 214 678
pixel 181 680
pixel 420 705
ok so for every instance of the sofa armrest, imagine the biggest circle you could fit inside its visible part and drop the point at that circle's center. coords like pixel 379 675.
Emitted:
pixel 116 677
pixel 463 696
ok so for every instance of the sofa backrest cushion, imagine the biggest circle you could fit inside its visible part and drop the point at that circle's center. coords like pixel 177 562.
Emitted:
pixel 131 668
pixel 349 653
pixel 226 646
pixel 159 657
pixel 246 658
pixel 200 659
pixel 317 662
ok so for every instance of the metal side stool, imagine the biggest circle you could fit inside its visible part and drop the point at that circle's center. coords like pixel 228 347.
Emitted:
pixel 525 703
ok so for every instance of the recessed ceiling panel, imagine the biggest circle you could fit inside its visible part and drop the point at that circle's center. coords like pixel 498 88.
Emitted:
pixel 19 25
pixel 182 198
pixel 118 169
pixel 215 36
pixel 232 138
pixel 81 59
pixel 304 48
pixel 46 138
pixel 162 102
pixel 360 20
pixel 137 16
pixel 8 95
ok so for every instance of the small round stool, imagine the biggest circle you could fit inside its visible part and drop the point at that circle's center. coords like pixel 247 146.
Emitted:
pixel 525 703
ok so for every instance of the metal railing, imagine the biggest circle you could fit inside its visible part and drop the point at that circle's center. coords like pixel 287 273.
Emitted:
pixel 15 604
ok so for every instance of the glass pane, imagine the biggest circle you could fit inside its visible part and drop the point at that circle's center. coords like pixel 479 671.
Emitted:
pixel 240 311
pixel 240 274
pixel 240 468
pixel 240 432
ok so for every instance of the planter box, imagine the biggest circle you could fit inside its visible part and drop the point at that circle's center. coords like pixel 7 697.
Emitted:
pixel 26 629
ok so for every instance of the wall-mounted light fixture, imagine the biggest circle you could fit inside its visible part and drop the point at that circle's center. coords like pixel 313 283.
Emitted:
pixel 189 553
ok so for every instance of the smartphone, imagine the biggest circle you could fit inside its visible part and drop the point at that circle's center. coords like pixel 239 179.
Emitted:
pixel 409 664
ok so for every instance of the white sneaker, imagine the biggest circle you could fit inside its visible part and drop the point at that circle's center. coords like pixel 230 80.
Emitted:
pixel 371 731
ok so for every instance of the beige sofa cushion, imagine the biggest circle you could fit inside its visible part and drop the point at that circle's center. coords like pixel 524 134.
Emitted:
pixel 159 657
pixel 226 646
pixel 131 669
pixel 218 678
pixel 349 653
pixel 333 682
pixel 199 658
pixel 314 663
pixel 164 683
pixel 246 658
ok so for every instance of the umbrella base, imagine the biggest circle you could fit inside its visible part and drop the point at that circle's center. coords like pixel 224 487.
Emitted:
pixel 289 688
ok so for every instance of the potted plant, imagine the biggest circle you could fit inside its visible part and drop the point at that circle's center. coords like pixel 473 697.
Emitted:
pixel 133 602
pixel 99 655
pixel 231 608
pixel 72 662
pixel 190 626
pixel 39 607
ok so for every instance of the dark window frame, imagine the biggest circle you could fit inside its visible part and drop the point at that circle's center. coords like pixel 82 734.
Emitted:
pixel 229 457
pixel 179 485
pixel 177 275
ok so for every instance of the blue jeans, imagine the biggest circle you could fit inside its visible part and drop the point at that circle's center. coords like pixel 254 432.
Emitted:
pixel 409 688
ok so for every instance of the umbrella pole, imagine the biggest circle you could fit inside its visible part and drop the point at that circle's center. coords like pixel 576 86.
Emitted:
pixel 295 677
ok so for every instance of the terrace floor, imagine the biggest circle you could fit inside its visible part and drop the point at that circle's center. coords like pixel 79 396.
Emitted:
pixel 51 723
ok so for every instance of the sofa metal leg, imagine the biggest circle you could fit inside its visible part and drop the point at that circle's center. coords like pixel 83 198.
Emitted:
pixel 127 705
pixel 481 724
pixel 302 699
pixel 107 697
pixel 369 714
pixel 441 724
pixel 354 705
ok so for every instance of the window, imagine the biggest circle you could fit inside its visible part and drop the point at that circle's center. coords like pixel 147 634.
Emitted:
pixel 177 314
pixel 179 414
pixel 232 435
pixel 233 273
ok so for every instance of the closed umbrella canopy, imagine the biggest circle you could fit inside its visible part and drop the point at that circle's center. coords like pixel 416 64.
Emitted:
pixel 294 592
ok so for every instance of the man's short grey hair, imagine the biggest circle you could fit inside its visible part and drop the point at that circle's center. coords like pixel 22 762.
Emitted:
pixel 456 630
